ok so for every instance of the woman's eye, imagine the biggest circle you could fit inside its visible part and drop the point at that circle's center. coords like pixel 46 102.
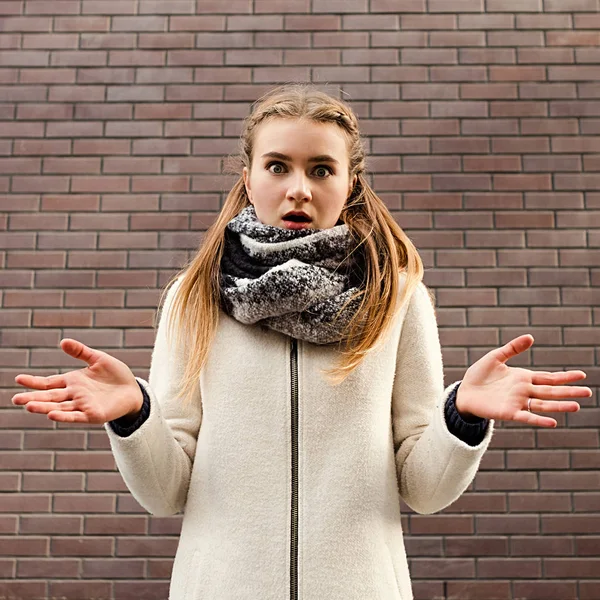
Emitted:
pixel 276 168
pixel 322 171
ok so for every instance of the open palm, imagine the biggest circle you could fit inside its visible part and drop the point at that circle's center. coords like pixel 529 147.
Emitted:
pixel 103 391
pixel 493 390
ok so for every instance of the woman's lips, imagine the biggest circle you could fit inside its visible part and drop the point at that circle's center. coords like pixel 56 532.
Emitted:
pixel 296 224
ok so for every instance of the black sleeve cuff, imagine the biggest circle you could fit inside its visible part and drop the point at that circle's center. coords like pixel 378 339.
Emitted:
pixel 123 427
pixel 471 431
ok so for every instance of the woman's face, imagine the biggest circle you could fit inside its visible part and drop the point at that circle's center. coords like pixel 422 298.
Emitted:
pixel 298 166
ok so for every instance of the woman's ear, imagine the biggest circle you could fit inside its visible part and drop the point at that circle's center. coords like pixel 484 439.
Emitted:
pixel 352 184
pixel 246 178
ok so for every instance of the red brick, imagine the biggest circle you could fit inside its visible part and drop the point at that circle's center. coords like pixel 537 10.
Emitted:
pixel 161 146
pixel 73 129
pixel 84 503
pixel 477 590
pixel 496 276
pixel 11 7
pixel 546 590
pixel 570 5
pixel 520 145
pixel 541 546
pixel 26 23
pixel 101 146
pixel 70 202
pixel 137 58
pixel 559 277
pixel 458 6
pixel 492 163
pixel 81 24
pixel 515 38
pixel 195 58
pixel 331 39
pixel 101 75
pixel 106 184
pixel 137 93
pixel 432 568
pixel 486 21
pixel 49 568
pixel 184 93
pixel 569 567
pixel 517 73
pixel 429 56
pixel 197 23
pixel 459 39
pixel 132 129
pixel 573 73
pixel 71 166
pixel 507 524
pixel 139 23
pixel 23 589
pixel 481 546
pixel 427 22
pixel 119 525
pixel 131 165
pixel 45 111
pixel 487 55
pixel 497 316
pixel 453 145
pixel 519 568
pixel 50 524
pixel 79 58
pixel 152 590
pixel 441 524
pixel 461 182
pixel 107 40
pixel 82 590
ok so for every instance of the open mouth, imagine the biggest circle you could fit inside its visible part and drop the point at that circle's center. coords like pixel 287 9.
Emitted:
pixel 297 218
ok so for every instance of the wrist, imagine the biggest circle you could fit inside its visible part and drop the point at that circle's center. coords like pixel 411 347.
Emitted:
pixel 138 403
pixel 461 405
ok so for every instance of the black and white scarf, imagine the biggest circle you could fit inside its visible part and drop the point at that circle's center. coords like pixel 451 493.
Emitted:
pixel 294 281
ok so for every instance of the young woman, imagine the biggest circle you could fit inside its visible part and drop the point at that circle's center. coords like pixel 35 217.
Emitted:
pixel 296 385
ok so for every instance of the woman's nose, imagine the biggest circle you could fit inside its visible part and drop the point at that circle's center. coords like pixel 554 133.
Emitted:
pixel 299 188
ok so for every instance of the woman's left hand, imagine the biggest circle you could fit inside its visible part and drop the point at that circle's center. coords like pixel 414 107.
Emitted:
pixel 493 390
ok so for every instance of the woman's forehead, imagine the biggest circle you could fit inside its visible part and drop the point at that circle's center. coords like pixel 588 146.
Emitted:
pixel 300 138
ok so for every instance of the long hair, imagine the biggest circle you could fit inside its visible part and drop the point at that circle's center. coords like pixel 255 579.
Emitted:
pixel 387 251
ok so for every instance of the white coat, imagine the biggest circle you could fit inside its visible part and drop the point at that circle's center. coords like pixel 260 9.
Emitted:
pixel 290 487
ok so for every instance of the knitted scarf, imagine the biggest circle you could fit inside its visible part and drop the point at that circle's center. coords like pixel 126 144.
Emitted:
pixel 294 281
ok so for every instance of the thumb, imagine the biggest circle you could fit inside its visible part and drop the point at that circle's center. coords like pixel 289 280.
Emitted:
pixel 80 351
pixel 514 347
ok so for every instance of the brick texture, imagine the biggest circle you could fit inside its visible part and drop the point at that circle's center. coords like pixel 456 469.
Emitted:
pixel 482 120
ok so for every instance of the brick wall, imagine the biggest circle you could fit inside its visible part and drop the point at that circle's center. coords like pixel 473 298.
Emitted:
pixel 482 119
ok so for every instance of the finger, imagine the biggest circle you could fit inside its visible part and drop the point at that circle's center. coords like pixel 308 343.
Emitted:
pixel 553 405
pixel 514 347
pixel 558 392
pixel 75 416
pixel 557 378
pixel 530 418
pixel 55 395
pixel 38 382
pixel 80 351
pixel 44 408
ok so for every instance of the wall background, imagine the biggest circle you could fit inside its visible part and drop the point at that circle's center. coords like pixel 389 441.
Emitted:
pixel 482 118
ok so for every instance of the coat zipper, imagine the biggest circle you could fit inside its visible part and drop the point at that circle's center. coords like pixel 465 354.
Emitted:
pixel 294 506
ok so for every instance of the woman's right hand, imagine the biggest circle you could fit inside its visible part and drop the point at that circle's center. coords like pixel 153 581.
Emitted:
pixel 103 391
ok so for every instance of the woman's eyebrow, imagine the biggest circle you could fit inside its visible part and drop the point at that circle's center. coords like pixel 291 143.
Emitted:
pixel 320 158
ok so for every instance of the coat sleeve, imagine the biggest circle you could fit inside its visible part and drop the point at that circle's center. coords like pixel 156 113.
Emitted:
pixel 156 460
pixel 434 466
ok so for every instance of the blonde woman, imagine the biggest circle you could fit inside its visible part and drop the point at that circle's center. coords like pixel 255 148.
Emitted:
pixel 296 387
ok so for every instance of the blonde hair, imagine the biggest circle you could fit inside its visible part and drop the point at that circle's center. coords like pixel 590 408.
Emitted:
pixel 386 249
